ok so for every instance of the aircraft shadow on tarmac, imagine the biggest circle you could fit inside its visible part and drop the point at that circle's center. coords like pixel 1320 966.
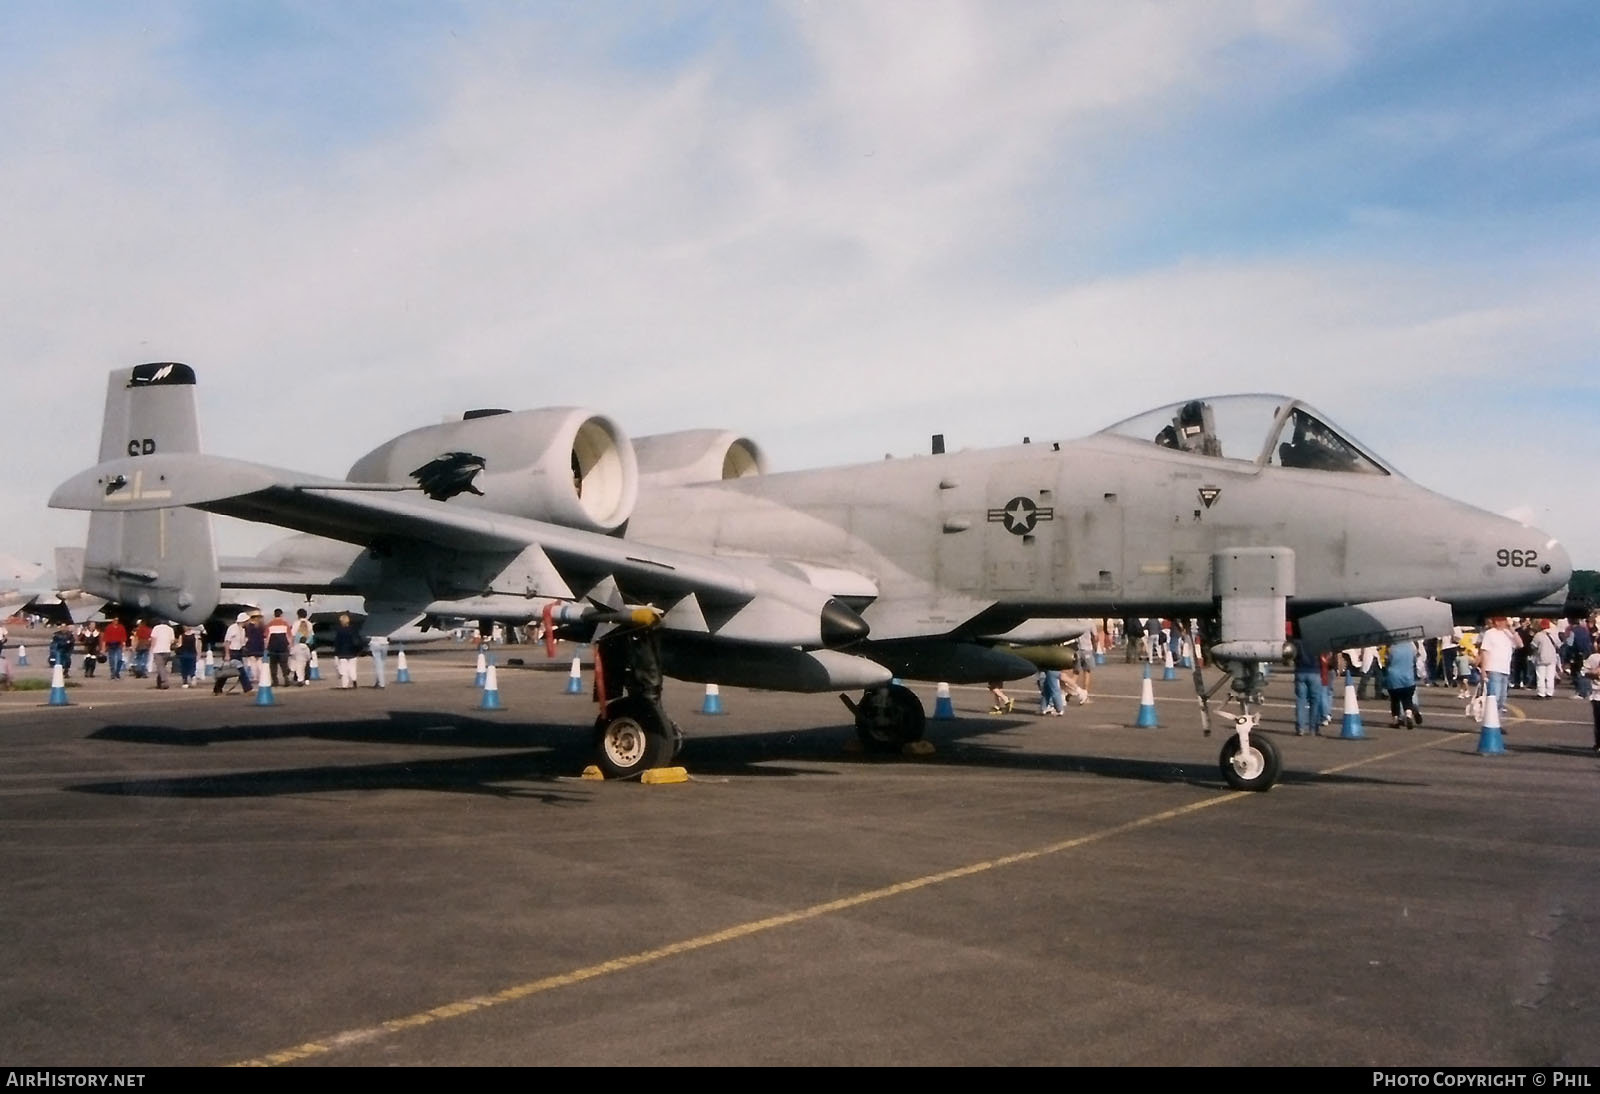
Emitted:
pixel 532 752
pixel 958 743
pixel 487 775
pixel 542 753
pixel 396 727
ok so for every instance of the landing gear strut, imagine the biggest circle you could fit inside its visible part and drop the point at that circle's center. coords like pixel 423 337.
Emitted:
pixel 889 717
pixel 632 733
pixel 1249 759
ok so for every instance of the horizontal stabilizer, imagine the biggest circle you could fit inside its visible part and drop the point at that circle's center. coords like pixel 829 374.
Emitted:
pixel 162 481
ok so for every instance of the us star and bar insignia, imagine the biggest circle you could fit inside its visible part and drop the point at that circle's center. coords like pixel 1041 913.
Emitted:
pixel 1020 515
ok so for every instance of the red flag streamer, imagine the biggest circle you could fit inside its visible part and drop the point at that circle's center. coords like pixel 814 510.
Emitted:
pixel 549 629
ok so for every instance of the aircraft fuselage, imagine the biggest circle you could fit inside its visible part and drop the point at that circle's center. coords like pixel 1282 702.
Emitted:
pixel 1106 526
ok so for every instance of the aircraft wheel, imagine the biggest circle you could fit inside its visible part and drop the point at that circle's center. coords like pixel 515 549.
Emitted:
pixel 889 717
pixel 632 737
pixel 1256 768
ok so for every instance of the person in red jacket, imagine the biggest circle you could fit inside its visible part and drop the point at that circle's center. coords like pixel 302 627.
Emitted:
pixel 114 639
pixel 141 649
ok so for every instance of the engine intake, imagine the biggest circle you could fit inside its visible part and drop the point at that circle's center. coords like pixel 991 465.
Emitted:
pixel 697 455
pixel 564 465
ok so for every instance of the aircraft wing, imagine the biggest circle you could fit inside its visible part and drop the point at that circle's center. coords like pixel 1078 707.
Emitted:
pixel 256 573
pixel 79 608
pixel 745 599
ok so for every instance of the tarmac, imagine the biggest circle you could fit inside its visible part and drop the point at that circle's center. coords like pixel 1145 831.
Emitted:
pixel 400 877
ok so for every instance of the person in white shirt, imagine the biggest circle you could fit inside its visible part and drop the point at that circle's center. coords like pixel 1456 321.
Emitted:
pixel 233 653
pixel 162 636
pixel 1494 657
pixel 1546 659
pixel 1085 665
pixel 300 656
pixel 378 646
pixel 1591 669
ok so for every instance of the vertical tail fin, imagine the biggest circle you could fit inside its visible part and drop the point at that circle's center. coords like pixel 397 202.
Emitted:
pixel 69 568
pixel 161 561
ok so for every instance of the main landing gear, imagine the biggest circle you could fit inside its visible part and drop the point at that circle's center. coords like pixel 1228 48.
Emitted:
pixel 1249 760
pixel 632 733
pixel 888 717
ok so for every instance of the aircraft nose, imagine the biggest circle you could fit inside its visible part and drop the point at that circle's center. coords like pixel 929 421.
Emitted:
pixel 1543 568
pixel 1557 564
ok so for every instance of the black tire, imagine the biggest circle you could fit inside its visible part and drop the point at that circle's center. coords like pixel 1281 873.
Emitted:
pixel 631 738
pixel 1262 767
pixel 889 718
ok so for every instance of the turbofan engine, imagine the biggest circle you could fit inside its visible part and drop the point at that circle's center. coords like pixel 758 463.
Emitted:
pixel 697 455
pixel 564 465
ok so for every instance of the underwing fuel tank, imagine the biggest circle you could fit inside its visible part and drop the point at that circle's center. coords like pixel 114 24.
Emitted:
pixel 703 662
pixel 1375 624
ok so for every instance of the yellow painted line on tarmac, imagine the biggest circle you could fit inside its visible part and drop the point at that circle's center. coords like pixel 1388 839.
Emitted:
pixel 1393 752
pixel 729 934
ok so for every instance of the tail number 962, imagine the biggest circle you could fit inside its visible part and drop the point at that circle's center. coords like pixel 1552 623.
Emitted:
pixel 1516 558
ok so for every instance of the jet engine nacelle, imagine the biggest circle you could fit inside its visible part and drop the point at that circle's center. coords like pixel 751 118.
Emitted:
pixel 697 455
pixel 564 465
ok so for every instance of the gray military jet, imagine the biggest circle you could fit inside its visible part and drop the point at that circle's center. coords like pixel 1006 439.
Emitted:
pixel 60 601
pixel 678 556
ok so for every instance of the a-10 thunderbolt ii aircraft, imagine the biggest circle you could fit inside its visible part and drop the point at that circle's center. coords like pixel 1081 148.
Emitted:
pixel 59 601
pixel 676 556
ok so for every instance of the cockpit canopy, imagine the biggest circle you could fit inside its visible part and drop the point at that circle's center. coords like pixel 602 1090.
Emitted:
pixel 1263 430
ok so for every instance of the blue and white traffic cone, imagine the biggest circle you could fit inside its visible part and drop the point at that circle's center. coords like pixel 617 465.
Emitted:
pixel 491 690
pixel 713 701
pixel 1490 740
pixel 1351 729
pixel 1147 703
pixel 943 707
pixel 1099 654
pixel 575 678
pixel 402 671
pixel 22 657
pixel 264 691
pixel 58 688
pixel 211 665
pixel 1169 671
pixel 312 672
pixel 482 677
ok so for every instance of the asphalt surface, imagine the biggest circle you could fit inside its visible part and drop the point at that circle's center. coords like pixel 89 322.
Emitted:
pixel 399 877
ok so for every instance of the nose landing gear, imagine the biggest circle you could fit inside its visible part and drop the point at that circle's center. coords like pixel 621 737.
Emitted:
pixel 1249 760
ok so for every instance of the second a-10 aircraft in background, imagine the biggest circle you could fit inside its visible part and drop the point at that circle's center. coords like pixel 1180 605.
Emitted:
pixel 678 556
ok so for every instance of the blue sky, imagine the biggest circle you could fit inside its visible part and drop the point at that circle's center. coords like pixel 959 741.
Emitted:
pixel 836 227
